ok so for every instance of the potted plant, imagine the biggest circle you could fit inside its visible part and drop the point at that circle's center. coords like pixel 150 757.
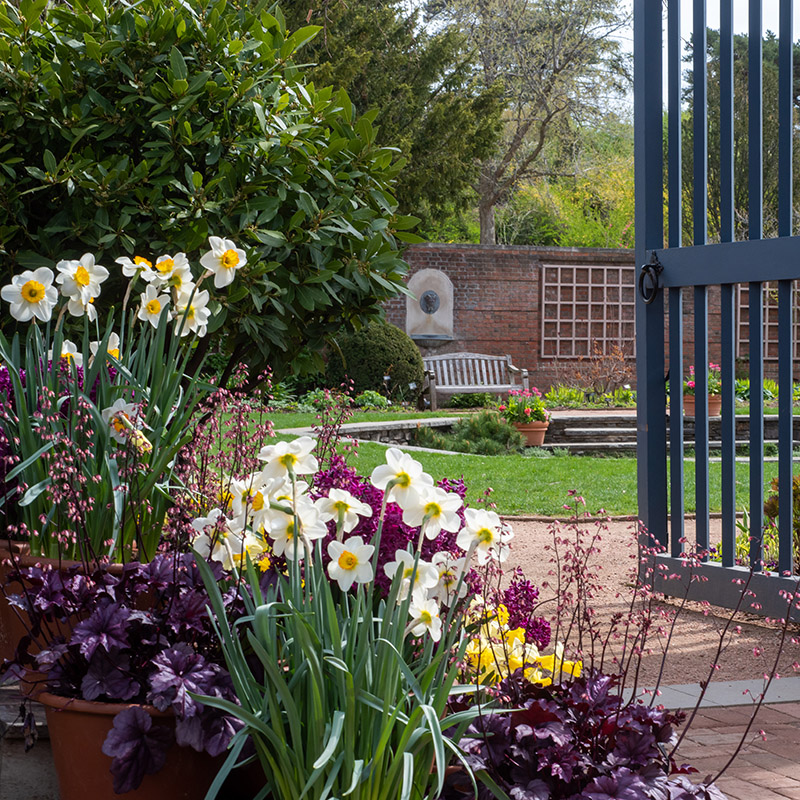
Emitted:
pixel 118 660
pixel 714 384
pixel 526 411
pixel 350 692
pixel 89 431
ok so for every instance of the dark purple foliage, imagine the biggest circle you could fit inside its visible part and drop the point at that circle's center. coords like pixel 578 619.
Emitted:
pixel 573 741
pixel 137 748
pixel 140 636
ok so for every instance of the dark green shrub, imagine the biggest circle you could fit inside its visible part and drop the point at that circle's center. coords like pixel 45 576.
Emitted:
pixel 376 351
pixel 141 128
pixel 485 434
pixel 477 400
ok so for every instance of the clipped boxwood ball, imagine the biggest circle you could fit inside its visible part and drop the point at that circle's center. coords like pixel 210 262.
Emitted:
pixel 378 349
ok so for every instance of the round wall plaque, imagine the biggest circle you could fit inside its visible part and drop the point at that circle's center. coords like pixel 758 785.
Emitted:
pixel 429 302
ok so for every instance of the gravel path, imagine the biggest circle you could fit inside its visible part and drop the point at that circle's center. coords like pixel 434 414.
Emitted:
pixel 697 632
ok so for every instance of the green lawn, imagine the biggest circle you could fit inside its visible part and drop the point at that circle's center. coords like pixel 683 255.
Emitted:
pixel 538 485
pixel 305 420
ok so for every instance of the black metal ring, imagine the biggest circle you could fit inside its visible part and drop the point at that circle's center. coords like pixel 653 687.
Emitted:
pixel 652 272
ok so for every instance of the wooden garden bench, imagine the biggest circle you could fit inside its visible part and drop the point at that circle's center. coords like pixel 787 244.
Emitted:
pixel 469 373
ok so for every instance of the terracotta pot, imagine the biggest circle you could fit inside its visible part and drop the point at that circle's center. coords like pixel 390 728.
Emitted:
pixel 714 405
pixel 12 629
pixel 13 621
pixel 77 731
pixel 533 432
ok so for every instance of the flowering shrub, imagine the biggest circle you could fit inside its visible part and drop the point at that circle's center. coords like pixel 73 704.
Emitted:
pixel 140 636
pixel 714 380
pixel 524 406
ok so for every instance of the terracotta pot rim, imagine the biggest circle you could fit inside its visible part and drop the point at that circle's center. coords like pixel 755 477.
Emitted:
pixel 27 560
pixel 59 703
pixel 536 423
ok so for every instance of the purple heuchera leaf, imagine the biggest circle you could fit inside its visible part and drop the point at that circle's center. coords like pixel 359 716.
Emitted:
pixel 109 675
pixel 137 747
pixel 211 732
pixel 178 671
pixel 681 788
pixel 104 628
pixel 621 785
pixel 535 790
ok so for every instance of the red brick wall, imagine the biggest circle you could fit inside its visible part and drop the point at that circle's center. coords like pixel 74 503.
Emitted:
pixel 497 298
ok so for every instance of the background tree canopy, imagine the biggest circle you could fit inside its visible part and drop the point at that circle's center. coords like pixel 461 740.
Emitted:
pixel 141 129
pixel 740 138
pixel 421 80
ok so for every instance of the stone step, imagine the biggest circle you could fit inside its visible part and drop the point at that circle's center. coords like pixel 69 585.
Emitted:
pixel 628 446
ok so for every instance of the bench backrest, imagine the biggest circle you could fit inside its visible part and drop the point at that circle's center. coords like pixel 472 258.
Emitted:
pixel 469 369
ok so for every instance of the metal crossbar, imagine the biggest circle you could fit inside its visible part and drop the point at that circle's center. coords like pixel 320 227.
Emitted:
pixel 747 316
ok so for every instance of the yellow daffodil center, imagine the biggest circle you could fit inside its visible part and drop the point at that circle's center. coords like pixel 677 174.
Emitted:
pixel 82 277
pixel 68 356
pixel 407 572
pixel 290 531
pixel 348 560
pixel 154 307
pixel 425 616
pixel 190 314
pixel 142 262
pixel 165 265
pixel 114 352
pixel 485 536
pixel 33 292
pixel 340 507
pixel 257 501
pixel 403 479
pixel 287 460
pixel 433 510
pixel 229 259
pixel 118 424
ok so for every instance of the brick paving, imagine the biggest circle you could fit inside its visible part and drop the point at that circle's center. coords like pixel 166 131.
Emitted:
pixel 766 768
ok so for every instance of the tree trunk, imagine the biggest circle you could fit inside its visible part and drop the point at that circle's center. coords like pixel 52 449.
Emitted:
pixel 486 211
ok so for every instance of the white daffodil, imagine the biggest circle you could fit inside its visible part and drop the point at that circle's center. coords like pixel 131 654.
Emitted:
pixel 69 351
pixel 436 508
pixel 223 260
pixel 121 418
pixel 112 346
pixel 285 458
pixel 165 267
pixel 153 305
pixel 77 308
pixel 350 562
pixel 485 534
pixel 80 280
pixel 426 577
pixel 450 571
pixel 342 507
pixel 192 314
pixel 218 539
pixel 283 530
pixel 181 282
pixel 425 618
pixel 249 501
pixel 139 266
pixel 405 472
pixel 31 294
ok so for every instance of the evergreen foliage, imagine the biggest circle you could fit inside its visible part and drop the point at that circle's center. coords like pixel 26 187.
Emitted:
pixel 421 80
pixel 143 128
pixel 485 433
pixel 378 350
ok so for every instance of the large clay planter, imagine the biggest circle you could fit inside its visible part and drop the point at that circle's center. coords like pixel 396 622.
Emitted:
pixel 13 622
pixel 533 432
pixel 77 731
pixel 12 628
pixel 714 405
